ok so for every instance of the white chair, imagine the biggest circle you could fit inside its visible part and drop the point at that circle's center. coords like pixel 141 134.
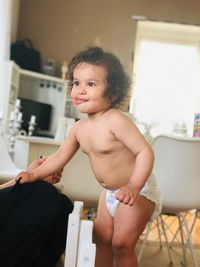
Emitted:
pixel 80 250
pixel 177 169
pixel 8 169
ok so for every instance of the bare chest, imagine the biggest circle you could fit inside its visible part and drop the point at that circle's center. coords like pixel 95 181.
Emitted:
pixel 97 140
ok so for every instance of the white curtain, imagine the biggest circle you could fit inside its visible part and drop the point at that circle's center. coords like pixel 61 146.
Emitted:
pixel 5 33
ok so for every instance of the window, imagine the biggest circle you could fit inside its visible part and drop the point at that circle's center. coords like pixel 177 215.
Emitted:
pixel 166 75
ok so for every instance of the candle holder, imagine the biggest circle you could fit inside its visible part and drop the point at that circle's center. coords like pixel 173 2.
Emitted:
pixel 14 126
pixel 32 124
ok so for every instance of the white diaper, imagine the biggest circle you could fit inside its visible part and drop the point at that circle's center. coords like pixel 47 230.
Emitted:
pixel 111 201
pixel 150 191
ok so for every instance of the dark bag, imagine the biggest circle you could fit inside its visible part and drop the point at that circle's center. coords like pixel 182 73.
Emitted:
pixel 23 53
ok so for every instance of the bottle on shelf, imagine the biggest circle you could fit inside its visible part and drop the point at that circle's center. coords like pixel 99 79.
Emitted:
pixel 64 70
pixel 50 67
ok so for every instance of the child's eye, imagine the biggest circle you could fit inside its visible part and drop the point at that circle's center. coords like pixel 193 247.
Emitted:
pixel 91 84
pixel 75 83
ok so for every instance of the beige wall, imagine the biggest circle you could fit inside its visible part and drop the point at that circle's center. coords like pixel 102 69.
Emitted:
pixel 60 28
pixel 14 19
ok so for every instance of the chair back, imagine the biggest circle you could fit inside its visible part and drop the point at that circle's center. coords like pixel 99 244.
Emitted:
pixel 177 169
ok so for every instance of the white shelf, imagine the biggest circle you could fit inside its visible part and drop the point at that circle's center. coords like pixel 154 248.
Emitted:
pixel 37 87
pixel 37 75
pixel 39 140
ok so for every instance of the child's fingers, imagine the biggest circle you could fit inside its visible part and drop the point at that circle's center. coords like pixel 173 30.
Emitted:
pixel 22 177
pixel 120 196
pixel 133 199
pixel 42 159
pixel 56 178
pixel 20 180
pixel 126 199
pixel 131 202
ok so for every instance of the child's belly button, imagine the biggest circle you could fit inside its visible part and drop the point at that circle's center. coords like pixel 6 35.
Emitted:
pixel 103 184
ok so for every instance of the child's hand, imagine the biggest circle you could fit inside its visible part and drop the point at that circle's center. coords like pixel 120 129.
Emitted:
pixel 24 177
pixel 127 195
pixel 52 179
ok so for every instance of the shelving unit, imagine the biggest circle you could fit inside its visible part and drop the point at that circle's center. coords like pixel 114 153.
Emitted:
pixel 38 87
pixel 35 75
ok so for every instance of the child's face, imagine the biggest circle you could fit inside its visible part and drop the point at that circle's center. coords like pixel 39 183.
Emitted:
pixel 89 88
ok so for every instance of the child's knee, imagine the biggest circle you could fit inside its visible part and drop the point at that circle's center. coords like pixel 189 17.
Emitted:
pixel 102 235
pixel 123 244
pixel 118 244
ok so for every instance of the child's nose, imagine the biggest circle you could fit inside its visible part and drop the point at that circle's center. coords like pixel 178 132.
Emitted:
pixel 81 90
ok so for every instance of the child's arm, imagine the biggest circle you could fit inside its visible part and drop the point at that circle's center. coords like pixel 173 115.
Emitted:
pixel 142 170
pixel 55 178
pixel 54 162
pixel 144 158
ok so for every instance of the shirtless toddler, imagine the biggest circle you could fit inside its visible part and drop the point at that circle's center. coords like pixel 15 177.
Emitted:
pixel 120 157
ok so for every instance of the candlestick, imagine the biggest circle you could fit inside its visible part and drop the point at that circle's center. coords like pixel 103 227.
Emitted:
pixel 33 119
pixel 18 102
pixel 12 116
pixel 19 117
pixel 32 124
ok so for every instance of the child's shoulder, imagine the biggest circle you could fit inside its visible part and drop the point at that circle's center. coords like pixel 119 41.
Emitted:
pixel 114 112
pixel 78 126
pixel 80 123
pixel 118 115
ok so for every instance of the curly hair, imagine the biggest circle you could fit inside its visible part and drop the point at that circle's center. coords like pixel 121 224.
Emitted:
pixel 117 80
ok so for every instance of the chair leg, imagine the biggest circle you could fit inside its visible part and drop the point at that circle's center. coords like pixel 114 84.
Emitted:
pixel 185 234
pixel 166 239
pixel 168 228
pixel 182 239
pixel 159 231
pixel 194 220
pixel 176 233
pixel 191 227
pixel 189 242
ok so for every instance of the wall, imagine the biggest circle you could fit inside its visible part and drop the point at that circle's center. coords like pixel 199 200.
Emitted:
pixel 60 28
pixel 14 20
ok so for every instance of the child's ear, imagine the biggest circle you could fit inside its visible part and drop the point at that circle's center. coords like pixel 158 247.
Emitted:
pixel 113 99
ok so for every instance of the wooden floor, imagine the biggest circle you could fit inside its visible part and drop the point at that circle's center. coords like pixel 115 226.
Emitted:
pixel 156 256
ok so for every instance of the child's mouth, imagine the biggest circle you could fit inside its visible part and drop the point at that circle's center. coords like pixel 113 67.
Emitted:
pixel 78 101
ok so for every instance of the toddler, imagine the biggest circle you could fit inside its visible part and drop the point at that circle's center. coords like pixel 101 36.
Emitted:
pixel 120 157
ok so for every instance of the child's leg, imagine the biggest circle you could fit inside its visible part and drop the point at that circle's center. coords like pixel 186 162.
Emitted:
pixel 103 229
pixel 129 223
